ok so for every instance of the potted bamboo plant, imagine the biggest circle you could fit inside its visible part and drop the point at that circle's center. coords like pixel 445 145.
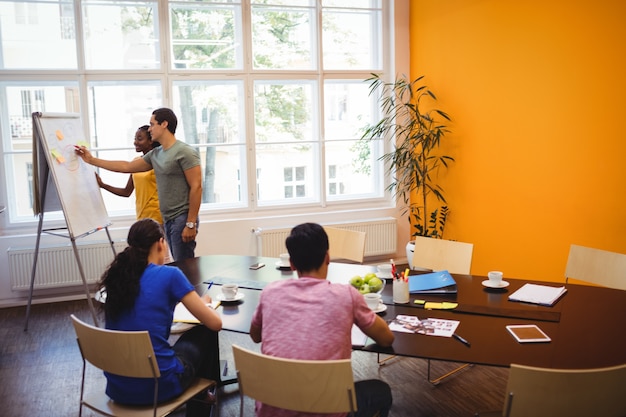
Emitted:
pixel 416 160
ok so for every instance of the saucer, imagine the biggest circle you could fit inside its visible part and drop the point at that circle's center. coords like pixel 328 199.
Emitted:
pixel 383 275
pixel 381 307
pixel 488 284
pixel 223 299
pixel 282 266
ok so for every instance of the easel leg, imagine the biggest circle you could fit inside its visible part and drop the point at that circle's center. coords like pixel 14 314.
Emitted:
pixel 111 241
pixel 34 270
pixel 82 275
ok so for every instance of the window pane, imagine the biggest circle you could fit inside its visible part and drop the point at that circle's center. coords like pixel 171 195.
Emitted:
pixel 349 161
pixel 206 36
pixel 221 167
pixel 283 38
pixel 284 111
pixel 352 169
pixel 22 100
pixel 211 112
pixel 293 167
pixel 352 39
pixel 121 35
pixel 37 35
pixel 118 108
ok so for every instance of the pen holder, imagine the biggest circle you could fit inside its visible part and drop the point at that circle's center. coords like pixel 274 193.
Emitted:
pixel 400 291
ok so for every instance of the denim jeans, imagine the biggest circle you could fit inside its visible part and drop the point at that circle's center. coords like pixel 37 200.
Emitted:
pixel 173 234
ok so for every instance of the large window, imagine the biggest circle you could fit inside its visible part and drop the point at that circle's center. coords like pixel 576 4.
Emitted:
pixel 271 92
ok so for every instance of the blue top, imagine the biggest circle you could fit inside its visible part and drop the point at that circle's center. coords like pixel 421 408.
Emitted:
pixel 161 288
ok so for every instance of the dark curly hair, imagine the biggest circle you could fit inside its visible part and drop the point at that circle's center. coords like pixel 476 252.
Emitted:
pixel 121 279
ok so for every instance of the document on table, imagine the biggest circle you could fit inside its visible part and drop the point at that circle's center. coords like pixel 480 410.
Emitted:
pixel 359 338
pixel 430 326
pixel 538 294
pixel 182 315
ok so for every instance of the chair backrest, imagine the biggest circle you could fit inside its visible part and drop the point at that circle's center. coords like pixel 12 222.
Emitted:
pixel 346 244
pixel 440 254
pixel 298 385
pixel 542 392
pixel 596 266
pixel 118 352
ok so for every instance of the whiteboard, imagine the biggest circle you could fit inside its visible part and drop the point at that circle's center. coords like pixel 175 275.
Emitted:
pixel 73 181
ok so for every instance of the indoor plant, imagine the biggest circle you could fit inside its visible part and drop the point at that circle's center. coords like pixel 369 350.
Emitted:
pixel 417 131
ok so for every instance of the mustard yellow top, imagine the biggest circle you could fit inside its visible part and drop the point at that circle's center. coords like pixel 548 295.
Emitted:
pixel 146 196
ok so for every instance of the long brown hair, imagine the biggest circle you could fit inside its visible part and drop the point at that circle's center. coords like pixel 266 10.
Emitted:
pixel 121 279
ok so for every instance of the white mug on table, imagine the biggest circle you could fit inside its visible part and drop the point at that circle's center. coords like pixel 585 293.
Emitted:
pixel 230 291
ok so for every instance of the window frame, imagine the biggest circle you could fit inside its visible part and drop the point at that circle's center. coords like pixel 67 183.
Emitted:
pixel 167 77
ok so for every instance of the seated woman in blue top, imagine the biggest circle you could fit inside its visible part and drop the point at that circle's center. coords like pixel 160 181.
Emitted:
pixel 141 294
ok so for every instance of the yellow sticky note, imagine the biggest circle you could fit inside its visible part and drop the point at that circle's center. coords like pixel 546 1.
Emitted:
pixel 59 135
pixel 440 306
pixel 56 155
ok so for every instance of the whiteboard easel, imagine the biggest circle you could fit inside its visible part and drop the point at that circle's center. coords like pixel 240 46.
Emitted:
pixel 63 181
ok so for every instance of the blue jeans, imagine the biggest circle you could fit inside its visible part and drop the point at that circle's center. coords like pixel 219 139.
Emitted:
pixel 173 234
pixel 372 396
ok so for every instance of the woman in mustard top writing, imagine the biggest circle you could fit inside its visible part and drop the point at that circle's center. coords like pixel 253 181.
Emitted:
pixel 143 183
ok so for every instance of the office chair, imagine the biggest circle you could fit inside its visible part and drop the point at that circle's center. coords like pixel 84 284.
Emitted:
pixel 297 385
pixel 346 244
pixel 544 392
pixel 440 254
pixel 596 266
pixel 127 354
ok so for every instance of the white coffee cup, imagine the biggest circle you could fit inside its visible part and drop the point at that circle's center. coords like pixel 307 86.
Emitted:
pixel 284 259
pixel 495 278
pixel 384 269
pixel 372 300
pixel 230 291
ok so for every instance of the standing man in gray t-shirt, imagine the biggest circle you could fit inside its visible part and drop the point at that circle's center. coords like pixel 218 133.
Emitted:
pixel 179 181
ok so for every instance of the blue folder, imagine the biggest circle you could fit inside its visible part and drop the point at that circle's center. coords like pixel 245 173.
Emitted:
pixel 440 282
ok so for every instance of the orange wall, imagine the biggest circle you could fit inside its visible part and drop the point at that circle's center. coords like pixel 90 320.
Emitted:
pixel 537 93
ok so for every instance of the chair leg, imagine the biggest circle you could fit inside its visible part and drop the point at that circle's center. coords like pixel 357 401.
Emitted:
pixel 381 362
pixel 436 381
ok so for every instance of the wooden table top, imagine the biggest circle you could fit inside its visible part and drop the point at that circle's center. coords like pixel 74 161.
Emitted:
pixel 585 325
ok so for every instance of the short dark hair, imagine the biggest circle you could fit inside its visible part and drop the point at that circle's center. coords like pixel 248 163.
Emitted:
pixel 307 245
pixel 164 114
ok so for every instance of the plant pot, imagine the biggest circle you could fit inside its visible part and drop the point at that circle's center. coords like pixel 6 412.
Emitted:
pixel 410 248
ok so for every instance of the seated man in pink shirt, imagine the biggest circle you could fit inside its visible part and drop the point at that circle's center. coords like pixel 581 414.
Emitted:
pixel 311 318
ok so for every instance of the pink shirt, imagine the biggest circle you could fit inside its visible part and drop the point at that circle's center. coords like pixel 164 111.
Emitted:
pixel 308 318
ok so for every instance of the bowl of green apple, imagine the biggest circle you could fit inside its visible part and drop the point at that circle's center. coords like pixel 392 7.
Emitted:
pixel 367 283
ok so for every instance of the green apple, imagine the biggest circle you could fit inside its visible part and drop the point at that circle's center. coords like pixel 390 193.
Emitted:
pixel 368 276
pixel 364 289
pixel 356 281
pixel 376 284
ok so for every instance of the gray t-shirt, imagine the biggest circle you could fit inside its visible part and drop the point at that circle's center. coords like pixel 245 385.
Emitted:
pixel 169 167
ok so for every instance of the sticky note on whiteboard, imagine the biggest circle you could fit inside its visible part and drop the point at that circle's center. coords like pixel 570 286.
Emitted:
pixel 57 156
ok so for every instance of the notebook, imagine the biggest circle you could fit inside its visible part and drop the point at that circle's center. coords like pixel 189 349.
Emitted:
pixel 359 339
pixel 440 282
pixel 538 294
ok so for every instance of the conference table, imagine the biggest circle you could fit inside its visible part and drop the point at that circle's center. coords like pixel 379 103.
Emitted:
pixel 585 325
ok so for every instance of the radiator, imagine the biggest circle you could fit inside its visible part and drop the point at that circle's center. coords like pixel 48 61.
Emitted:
pixel 380 238
pixel 57 266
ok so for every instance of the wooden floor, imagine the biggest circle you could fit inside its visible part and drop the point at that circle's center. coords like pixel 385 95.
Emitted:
pixel 40 372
